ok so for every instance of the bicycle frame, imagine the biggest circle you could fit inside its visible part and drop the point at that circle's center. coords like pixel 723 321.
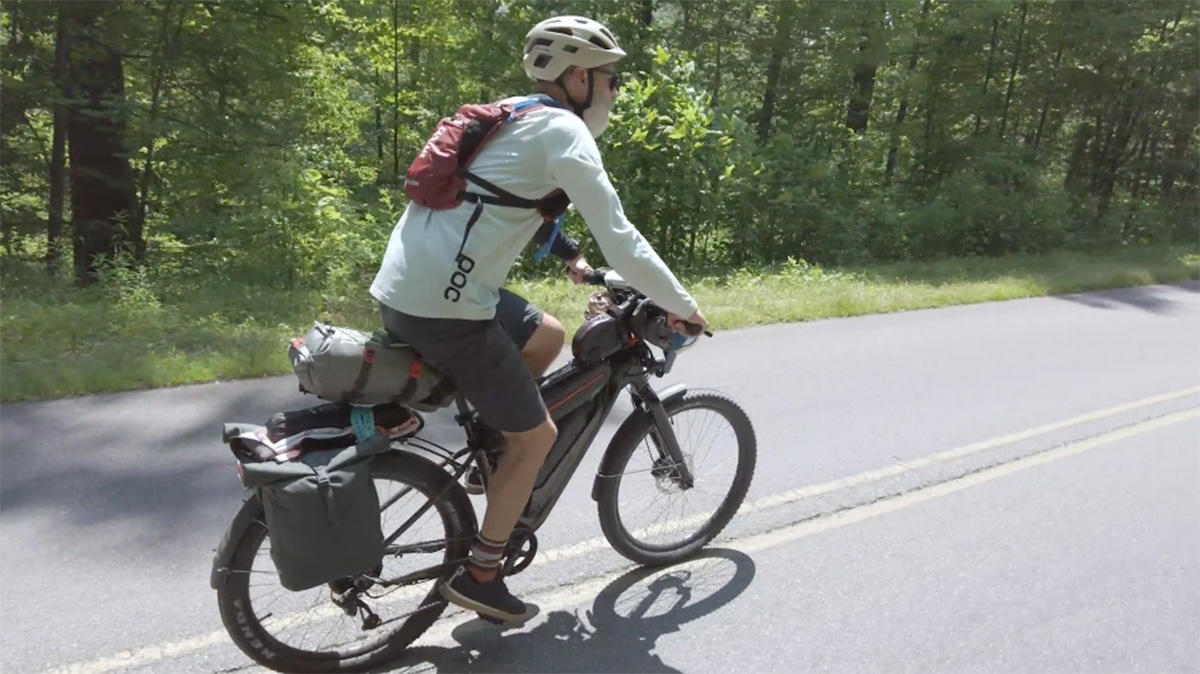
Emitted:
pixel 579 400
pixel 576 434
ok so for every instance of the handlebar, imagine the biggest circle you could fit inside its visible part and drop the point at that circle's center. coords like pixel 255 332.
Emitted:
pixel 601 277
pixel 594 277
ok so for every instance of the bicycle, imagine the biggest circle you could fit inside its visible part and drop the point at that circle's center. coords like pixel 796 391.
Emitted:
pixel 580 396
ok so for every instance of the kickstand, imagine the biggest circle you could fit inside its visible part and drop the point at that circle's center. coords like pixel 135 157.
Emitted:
pixel 352 605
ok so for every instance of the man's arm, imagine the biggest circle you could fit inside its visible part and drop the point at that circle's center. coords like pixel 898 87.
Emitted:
pixel 564 246
pixel 573 163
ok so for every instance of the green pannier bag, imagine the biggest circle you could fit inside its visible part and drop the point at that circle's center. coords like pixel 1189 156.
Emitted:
pixel 321 507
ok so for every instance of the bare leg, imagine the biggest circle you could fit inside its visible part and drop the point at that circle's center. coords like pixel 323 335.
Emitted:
pixel 524 453
pixel 544 345
pixel 513 480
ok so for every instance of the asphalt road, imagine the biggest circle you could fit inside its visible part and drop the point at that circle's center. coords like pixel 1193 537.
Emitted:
pixel 1002 487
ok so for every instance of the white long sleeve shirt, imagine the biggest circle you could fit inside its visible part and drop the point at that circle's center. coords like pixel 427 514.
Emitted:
pixel 544 149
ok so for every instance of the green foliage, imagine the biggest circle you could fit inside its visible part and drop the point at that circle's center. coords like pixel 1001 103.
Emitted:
pixel 165 326
pixel 268 139
pixel 670 158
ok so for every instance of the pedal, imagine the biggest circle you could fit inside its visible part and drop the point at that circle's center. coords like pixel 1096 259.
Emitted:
pixel 531 611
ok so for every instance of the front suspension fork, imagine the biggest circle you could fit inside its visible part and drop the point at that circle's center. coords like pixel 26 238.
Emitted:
pixel 663 436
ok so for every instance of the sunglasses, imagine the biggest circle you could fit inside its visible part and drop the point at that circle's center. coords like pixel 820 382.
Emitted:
pixel 614 78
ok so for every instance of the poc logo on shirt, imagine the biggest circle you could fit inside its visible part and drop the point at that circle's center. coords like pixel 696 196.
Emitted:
pixel 458 280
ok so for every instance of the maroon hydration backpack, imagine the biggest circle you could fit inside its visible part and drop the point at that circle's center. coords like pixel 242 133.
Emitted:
pixel 438 177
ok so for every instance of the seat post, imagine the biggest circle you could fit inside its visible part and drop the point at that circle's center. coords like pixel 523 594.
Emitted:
pixel 465 413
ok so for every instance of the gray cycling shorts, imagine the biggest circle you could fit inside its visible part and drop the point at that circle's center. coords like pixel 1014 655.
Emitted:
pixel 482 358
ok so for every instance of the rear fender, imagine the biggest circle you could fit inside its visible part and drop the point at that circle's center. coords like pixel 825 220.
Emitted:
pixel 250 512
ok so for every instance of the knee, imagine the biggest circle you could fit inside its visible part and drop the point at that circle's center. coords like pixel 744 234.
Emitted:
pixel 549 337
pixel 544 345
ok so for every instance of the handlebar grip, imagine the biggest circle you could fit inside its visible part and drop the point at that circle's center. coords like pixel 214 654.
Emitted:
pixel 694 329
pixel 594 277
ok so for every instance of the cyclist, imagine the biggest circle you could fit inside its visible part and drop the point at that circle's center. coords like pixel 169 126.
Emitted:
pixel 440 282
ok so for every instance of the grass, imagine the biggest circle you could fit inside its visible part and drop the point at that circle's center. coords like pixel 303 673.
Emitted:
pixel 60 341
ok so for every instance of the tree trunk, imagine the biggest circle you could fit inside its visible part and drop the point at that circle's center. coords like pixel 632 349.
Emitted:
pixel 858 114
pixel 1138 157
pixel 1037 138
pixel 902 113
pixel 379 132
pixel 783 32
pixel 929 169
pixel 858 111
pixel 1175 160
pixel 12 107
pixel 165 56
pixel 716 84
pixel 987 78
pixel 1135 188
pixel 646 16
pixel 488 38
pixel 1075 165
pixel 1100 156
pixel 1115 158
pixel 395 92
pixel 687 35
pixel 58 156
pixel 14 100
pixel 103 196
pixel 663 247
pixel 1012 72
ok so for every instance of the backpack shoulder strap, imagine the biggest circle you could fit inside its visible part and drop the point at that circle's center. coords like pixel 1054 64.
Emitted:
pixel 533 102
pixel 547 100
pixel 500 196
pixel 527 104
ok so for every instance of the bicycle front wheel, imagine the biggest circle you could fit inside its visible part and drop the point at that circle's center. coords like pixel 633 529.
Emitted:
pixel 311 632
pixel 648 514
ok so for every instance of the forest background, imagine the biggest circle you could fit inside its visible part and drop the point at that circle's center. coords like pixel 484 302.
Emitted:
pixel 187 185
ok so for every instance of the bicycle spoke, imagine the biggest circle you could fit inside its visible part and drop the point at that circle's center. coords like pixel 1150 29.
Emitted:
pixel 311 621
pixel 671 514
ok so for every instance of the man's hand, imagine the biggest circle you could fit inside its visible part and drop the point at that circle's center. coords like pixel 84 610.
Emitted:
pixel 577 268
pixel 677 325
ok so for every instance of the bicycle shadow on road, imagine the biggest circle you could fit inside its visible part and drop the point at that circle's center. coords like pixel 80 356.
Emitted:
pixel 618 634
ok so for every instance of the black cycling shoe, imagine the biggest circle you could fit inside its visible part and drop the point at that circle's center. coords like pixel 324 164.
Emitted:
pixel 491 599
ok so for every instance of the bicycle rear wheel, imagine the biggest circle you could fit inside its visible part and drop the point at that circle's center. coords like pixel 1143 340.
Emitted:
pixel 647 514
pixel 307 631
